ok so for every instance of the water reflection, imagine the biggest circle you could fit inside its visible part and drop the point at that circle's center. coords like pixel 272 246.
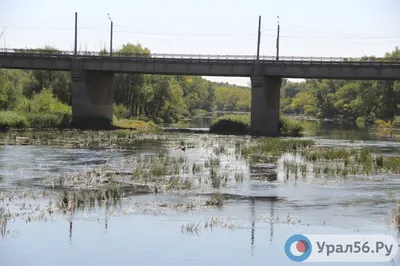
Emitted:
pixel 313 128
pixel 70 232
pixel 253 215
pixel 336 130
pixel 253 218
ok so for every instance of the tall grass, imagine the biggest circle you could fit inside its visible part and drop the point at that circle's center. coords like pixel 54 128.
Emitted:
pixel 275 146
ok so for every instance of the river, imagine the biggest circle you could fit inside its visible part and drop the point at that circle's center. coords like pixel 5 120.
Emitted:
pixel 249 229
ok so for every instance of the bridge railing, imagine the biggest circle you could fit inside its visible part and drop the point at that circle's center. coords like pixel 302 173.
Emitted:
pixel 202 57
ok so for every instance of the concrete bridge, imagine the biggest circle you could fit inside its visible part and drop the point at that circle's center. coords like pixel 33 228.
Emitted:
pixel 92 77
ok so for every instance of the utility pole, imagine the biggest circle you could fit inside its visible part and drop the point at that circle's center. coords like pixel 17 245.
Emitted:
pixel 111 35
pixel 76 33
pixel 259 38
pixel 277 41
pixel 5 41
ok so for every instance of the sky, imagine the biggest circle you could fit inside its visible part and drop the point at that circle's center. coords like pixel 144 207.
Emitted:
pixel 318 28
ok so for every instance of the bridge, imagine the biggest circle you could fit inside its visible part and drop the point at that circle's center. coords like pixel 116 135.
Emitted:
pixel 92 76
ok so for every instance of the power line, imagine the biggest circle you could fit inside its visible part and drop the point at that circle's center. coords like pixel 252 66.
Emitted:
pixel 145 32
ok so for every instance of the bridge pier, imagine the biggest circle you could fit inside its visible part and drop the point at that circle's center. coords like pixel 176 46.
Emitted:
pixel 92 99
pixel 265 105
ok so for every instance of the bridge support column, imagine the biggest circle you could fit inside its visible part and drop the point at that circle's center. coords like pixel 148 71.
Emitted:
pixel 265 104
pixel 92 99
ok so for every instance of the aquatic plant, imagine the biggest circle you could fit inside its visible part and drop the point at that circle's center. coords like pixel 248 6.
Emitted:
pixel 219 150
pixel 4 217
pixel 213 162
pixel 396 209
pixel 215 179
pixel 216 200
pixel 79 199
pixel 196 168
pixel 176 183
pixel 396 216
pixel 326 154
pixel 275 146
pixel 392 164
pixel 239 176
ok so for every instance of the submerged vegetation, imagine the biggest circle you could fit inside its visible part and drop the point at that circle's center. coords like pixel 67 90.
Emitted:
pixel 176 167
pixel 240 124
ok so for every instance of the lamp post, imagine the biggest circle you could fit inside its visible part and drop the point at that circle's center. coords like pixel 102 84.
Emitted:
pixel 111 35
pixel 277 40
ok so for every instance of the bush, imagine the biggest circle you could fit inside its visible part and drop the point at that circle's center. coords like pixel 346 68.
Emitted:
pixel 240 124
pixel 43 120
pixel 310 110
pixel 10 119
pixel 45 111
pixel 290 126
pixel 234 124
pixel 144 118
pixel 158 120
pixel 46 102
pixel 360 120
pixel 120 111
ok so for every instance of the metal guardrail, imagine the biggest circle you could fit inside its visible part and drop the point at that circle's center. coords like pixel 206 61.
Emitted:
pixel 253 58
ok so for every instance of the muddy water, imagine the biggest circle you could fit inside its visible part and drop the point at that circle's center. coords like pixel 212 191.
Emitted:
pixel 249 229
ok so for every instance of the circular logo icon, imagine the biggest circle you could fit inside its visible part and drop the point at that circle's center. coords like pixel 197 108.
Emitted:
pixel 298 248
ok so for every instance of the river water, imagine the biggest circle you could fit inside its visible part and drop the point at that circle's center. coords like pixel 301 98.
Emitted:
pixel 249 229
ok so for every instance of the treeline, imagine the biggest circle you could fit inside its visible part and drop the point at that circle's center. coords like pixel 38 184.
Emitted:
pixel 170 98
pixel 363 100
pixel 161 98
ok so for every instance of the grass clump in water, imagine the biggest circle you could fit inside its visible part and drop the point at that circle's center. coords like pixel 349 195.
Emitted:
pixel 216 200
pixel 395 211
pixel 74 200
pixel 4 217
pixel 240 124
pixel 196 168
pixel 396 215
pixel 392 164
pixel 215 179
pixel 176 183
pixel 327 154
pixel 275 146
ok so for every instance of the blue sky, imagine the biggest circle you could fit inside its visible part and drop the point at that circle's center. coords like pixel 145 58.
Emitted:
pixel 308 27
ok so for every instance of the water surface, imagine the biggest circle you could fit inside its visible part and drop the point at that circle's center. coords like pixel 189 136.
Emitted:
pixel 142 230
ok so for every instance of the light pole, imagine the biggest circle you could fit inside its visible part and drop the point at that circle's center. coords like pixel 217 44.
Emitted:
pixel 76 34
pixel 277 41
pixel 111 35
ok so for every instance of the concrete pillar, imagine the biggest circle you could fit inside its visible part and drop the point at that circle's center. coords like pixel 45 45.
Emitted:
pixel 265 104
pixel 92 99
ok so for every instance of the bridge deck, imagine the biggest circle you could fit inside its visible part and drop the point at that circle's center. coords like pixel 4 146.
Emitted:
pixel 206 65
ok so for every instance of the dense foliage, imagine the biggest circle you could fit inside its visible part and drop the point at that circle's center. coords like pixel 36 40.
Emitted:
pixel 44 97
pixel 345 99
